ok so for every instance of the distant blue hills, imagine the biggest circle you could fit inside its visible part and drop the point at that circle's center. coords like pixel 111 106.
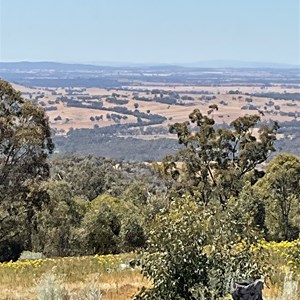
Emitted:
pixel 215 64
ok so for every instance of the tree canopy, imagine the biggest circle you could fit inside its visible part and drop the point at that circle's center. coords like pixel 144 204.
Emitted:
pixel 202 241
pixel 25 142
pixel 216 161
pixel 280 190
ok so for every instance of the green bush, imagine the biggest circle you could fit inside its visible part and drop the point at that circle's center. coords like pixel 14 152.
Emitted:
pixel 195 252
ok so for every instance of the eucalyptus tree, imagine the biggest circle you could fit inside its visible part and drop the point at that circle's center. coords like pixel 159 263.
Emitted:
pixel 280 191
pixel 215 161
pixel 25 142
pixel 197 246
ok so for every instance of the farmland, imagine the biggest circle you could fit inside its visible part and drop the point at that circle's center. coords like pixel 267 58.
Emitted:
pixel 138 104
pixel 56 102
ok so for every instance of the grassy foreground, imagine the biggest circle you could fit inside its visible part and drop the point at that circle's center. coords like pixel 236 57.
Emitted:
pixel 79 275
pixel 21 279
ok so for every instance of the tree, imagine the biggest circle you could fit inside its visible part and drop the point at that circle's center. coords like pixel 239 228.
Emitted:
pixel 87 176
pixel 202 242
pixel 216 161
pixel 195 252
pixel 58 221
pixel 280 189
pixel 25 142
pixel 105 223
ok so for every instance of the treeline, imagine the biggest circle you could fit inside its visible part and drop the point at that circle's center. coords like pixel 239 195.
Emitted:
pixel 153 118
pixel 95 205
pixel 63 82
pixel 91 205
pixel 279 96
pixel 95 142
pixel 106 141
pixel 290 143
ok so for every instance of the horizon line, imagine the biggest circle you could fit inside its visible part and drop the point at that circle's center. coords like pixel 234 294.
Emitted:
pixel 178 64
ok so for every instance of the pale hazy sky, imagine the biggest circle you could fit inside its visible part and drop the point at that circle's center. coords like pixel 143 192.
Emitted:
pixel 150 31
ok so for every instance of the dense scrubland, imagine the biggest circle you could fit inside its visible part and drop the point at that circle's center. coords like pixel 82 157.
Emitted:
pixel 218 210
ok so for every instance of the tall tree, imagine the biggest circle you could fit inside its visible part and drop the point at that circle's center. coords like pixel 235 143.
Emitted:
pixel 25 142
pixel 216 161
pixel 280 189
pixel 196 248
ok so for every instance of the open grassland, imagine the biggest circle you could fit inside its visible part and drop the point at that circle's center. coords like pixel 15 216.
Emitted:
pixel 229 104
pixel 19 280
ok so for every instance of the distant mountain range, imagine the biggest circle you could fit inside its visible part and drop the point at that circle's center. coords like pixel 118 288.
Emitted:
pixel 238 64
pixel 215 64
pixel 46 65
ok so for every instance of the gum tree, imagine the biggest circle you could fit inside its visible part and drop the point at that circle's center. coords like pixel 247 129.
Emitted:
pixel 280 190
pixel 196 247
pixel 215 161
pixel 25 142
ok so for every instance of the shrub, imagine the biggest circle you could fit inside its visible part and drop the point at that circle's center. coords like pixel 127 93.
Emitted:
pixel 50 288
pixel 92 292
pixel 195 253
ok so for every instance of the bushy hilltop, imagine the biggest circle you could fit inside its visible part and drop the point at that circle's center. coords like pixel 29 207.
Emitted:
pixel 193 209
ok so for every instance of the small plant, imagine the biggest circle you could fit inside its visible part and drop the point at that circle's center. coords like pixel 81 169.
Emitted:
pixel 50 288
pixel 92 292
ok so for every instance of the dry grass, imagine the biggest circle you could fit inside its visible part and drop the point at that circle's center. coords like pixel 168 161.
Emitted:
pixel 19 280
pixel 80 117
pixel 119 286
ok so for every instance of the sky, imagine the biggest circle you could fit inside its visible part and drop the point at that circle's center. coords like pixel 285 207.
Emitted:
pixel 150 31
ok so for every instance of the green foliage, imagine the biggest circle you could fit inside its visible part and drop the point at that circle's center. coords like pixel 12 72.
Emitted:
pixel 280 190
pixel 110 225
pixel 90 176
pixel 136 193
pixel 86 176
pixel 197 247
pixel 101 226
pixel 248 211
pixel 194 252
pixel 25 142
pixel 216 161
pixel 134 236
pixel 58 220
